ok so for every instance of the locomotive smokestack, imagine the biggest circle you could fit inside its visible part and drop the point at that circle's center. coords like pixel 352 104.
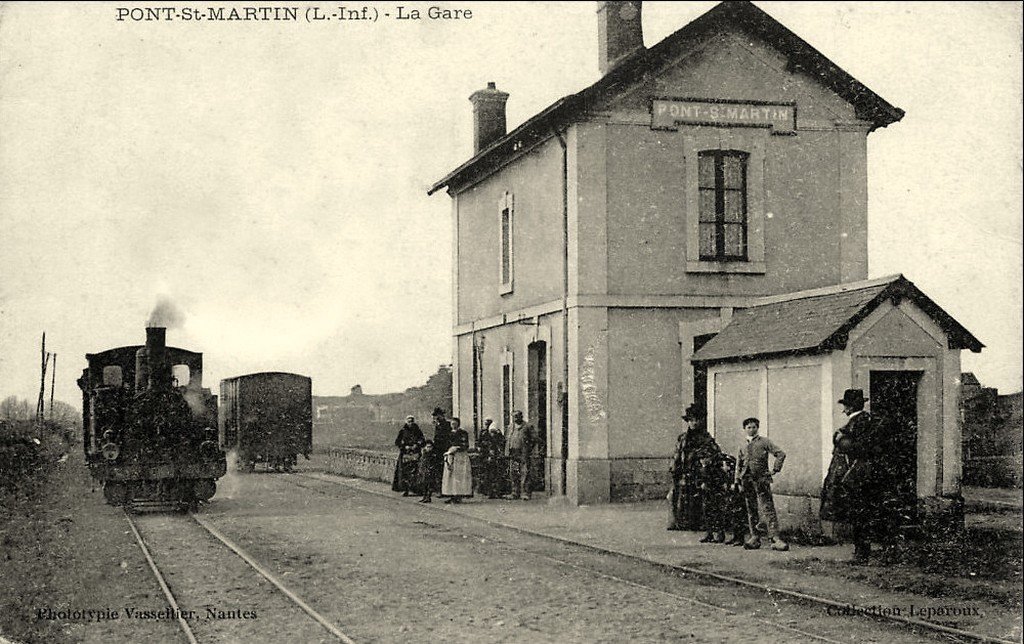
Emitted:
pixel 151 367
pixel 159 367
pixel 156 338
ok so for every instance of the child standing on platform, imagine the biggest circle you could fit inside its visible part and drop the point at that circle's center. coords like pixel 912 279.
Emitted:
pixel 754 479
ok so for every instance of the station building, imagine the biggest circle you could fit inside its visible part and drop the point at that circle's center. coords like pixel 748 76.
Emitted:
pixel 601 246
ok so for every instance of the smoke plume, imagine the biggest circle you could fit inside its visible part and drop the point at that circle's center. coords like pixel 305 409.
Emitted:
pixel 166 314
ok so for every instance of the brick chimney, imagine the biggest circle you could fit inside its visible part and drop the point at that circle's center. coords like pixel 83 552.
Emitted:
pixel 619 32
pixel 488 116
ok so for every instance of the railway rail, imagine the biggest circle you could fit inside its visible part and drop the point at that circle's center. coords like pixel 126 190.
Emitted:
pixel 581 558
pixel 172 601
pixel 948 633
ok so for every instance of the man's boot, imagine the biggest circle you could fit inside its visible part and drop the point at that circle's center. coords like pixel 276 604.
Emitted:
pixel 861 552
pixel 736 540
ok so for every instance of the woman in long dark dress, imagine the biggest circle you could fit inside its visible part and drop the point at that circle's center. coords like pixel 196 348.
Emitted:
pixel 409 443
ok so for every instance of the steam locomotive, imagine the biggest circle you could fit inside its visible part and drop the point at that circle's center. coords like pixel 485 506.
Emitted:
pixel 149 425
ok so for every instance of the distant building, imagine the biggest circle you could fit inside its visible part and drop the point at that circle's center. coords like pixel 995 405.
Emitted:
pixel 600 244
pixel 992 434
pixel 390 407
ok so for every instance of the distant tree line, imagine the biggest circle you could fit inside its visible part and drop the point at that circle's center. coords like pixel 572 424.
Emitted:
pixel 372 421
pixel 17 414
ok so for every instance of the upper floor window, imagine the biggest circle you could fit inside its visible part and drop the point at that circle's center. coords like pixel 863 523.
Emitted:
pixel 722 185
pixel 506 210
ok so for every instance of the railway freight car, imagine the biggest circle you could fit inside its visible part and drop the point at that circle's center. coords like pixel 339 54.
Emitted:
pixel 148 425
pixel 267 418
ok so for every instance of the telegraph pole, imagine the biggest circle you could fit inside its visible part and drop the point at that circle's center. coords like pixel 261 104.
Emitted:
pixel 40 410
pixel 53 384
pixel 42 379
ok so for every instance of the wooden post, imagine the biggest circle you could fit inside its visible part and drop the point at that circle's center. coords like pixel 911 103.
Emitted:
pixel 53 383
pixel 42 380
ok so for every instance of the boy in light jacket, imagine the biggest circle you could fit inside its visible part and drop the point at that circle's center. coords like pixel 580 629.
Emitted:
pixel 754 479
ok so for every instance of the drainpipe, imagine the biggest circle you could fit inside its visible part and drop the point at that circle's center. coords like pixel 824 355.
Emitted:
pixel 565 308
pixel 476 392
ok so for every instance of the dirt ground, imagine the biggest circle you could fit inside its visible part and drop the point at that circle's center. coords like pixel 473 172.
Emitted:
pixel 386 571
pixel 224 600
pixel 382 570
pixel 65 552
pixel 984 562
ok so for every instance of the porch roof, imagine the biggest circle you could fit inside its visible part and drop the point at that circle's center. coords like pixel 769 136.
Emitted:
pixel 820 320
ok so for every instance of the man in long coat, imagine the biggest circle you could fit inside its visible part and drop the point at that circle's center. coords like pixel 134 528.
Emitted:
pixel 442 441
pixel 685 468
pixel 519 443
pixel 853 488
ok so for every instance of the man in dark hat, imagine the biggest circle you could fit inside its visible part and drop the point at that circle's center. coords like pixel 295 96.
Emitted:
pixel 442 441
pixel 685 468
pixel 850 493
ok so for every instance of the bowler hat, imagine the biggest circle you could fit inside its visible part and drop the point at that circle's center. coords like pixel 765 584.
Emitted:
pixel 693 412
pixel 853 398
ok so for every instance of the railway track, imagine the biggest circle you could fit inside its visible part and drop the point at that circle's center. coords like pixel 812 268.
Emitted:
pixel 946 633
pixel 792 616
pixel 647 587
pixel 180 615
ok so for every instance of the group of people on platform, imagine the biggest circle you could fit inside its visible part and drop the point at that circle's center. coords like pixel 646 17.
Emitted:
pixel 721 493
pixel 712 491
pixel 443 466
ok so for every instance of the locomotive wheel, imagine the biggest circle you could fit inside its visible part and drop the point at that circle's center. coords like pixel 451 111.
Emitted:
pixel 204 489
pixel 115 492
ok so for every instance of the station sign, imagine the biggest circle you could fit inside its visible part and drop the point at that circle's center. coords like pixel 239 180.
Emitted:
pixel 668 114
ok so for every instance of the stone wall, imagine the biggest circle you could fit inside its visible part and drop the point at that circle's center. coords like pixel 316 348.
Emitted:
pixel 637 479
pixel 798 512
pixel 358 463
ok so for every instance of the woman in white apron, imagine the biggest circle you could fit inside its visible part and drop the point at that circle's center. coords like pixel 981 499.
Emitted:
pixel 457 478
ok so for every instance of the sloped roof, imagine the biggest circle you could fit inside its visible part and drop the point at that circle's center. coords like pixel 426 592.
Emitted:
pixel 801 56
pixel 820 320
pixel 968 378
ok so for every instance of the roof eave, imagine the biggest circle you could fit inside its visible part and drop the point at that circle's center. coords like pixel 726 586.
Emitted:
pixel 766 355
pixel 559 110
pixel 957 336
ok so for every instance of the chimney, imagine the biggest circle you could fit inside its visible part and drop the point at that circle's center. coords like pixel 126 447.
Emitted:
pixel 151 367
pixel 488 116
pixel 619 32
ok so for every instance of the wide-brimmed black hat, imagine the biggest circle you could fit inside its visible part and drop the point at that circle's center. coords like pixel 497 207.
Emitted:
pixel 693 412
pixel 853 398
pixel 437 412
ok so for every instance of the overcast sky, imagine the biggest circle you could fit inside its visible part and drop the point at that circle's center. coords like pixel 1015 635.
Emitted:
pixel 270 178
